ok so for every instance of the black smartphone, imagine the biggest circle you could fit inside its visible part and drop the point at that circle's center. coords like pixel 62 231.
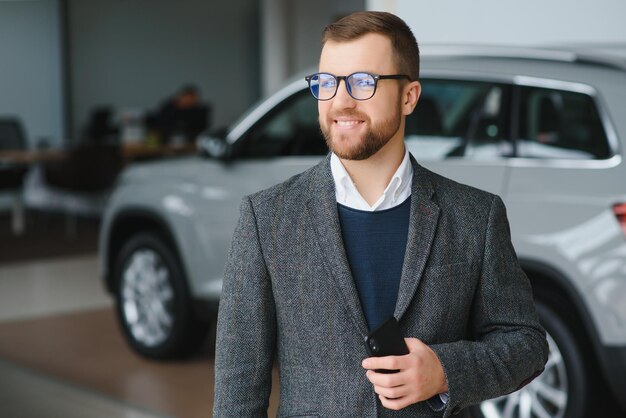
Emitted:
pixel 386 340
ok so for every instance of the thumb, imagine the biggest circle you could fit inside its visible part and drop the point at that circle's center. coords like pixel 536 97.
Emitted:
pixel 413 344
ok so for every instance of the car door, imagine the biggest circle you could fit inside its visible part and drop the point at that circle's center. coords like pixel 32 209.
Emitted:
pixel 283 141
pixel 461 130
pixel 567 174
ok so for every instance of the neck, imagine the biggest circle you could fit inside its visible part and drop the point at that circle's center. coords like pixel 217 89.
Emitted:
pixel 372 176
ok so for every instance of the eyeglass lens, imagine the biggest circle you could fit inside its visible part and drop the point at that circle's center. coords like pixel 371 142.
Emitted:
pixel 361 86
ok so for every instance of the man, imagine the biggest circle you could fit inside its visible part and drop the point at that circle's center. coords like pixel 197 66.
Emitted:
pixel 319 261
pixel 181 117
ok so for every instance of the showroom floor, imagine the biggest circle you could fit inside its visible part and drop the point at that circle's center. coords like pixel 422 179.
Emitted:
pixel 61 352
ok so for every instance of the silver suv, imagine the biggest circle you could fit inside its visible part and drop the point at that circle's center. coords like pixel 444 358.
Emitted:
pixel 542 128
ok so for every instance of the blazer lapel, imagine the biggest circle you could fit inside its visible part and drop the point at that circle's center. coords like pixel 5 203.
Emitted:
pixel 422 226
pixel 322 209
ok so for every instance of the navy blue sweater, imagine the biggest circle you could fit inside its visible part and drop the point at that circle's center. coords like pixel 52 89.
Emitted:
pixel 375 244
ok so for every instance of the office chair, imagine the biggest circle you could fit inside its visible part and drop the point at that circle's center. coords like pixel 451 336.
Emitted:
pixel 12 172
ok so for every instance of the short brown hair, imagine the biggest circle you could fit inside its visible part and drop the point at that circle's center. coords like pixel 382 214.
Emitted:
pixel 403 42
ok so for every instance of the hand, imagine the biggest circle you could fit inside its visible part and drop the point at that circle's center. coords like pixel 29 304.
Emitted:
pixel 420 376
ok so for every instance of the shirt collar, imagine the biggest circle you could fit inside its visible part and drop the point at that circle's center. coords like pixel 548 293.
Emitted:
pixel 396 192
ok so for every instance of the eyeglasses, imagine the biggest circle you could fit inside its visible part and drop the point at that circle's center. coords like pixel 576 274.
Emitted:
pixel 360 86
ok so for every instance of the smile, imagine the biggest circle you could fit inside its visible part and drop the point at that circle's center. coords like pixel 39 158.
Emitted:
pixel 348 123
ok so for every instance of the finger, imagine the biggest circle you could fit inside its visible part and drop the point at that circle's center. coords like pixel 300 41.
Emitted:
pixel 398 378
pixel 413 344
pixel 392 393
pixel 406 379
pixel 387 380
pixel 386 363
pixel 408 376
pixel 395 404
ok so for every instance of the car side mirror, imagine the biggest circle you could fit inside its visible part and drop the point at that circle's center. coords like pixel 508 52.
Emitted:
pixel 214 146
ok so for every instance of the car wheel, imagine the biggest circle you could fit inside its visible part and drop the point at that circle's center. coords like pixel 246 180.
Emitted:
pixel 152 301
pixel 559 392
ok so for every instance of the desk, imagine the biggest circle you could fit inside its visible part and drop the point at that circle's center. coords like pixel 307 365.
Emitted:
pixel 130 153
pixel 133 152
pixel 29 157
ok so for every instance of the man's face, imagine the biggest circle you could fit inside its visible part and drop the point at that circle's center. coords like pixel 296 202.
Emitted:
pixel 187 100
pixel 354 129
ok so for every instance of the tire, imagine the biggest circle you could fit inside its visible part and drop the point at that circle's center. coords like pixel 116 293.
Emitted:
pixel 561 391
pixel 153 305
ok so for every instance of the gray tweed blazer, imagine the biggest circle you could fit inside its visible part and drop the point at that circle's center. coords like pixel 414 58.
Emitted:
pixel 289 295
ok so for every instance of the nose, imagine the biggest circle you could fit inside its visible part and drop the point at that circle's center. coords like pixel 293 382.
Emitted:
pixel 342 98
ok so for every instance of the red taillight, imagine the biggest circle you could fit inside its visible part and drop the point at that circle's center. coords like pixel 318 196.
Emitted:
pixel 620 212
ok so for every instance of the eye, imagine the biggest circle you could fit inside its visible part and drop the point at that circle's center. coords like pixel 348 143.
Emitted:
pixel 327 82
pixel 363 81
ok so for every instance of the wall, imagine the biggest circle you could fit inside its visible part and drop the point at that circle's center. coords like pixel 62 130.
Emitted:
pixel 309 22
pixel 30 68
pixel 291 31
pixel 133 54
pixel 529 22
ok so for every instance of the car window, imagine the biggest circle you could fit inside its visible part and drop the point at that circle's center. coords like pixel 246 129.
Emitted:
pixel 456 118
pixel 560 124
pixel 292 128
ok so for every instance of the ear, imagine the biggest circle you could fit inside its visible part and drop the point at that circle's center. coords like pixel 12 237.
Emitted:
pixel 410 95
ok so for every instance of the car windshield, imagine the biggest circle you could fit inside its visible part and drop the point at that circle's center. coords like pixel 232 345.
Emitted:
pixel 263 105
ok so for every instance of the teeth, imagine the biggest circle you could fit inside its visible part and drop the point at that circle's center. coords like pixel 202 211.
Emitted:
pixel 347 122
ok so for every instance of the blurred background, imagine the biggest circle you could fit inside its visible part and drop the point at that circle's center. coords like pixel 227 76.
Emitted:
pixel 90 88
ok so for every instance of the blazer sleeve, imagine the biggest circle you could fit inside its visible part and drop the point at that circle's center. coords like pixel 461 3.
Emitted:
pixel 509 347
pixel 246 329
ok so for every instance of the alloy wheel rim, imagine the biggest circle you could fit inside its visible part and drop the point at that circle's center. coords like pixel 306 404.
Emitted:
pixel 147 297
pixel 544 397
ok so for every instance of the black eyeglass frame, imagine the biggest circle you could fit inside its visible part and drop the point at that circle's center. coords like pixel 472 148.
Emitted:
pixel 376 77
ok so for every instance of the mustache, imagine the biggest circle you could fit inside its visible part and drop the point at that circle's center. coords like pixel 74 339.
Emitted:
pixel 347 114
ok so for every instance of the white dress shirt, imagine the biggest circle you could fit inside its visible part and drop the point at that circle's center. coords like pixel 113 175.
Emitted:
pixel 396 192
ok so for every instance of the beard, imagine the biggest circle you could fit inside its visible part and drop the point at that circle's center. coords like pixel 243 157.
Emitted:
pixel 376 136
